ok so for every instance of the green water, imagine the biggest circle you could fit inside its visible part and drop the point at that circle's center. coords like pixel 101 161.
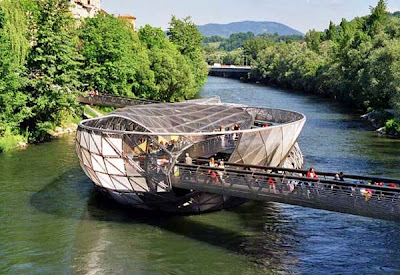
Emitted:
pixel 54 222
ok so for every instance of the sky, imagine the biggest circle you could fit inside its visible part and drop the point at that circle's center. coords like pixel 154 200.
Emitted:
pixel 302 15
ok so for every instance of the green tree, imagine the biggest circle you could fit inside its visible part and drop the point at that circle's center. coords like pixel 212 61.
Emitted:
pixel 356 62
pixel 253 46
pixel 174 78
pixel 313 39
pixel 236 41
pixel 377 18
pixel 234 58
pixel 13 48
pixel 53 66
pixel 185 35
pixel 331 32
pixel 153 37
pixel 213 39
pixel 187 38
pixel 115 61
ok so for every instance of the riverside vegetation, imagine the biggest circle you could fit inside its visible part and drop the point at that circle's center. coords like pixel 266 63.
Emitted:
pixel 356 62
pixel 47 59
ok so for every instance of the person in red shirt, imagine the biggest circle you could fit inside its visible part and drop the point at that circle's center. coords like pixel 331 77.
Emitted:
pixel 392 185
pixel 311 174
pixel 271 183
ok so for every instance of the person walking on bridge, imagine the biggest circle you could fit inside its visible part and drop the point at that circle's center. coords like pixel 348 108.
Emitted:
pixel 312 175
pixel 188 159
pixel 188 172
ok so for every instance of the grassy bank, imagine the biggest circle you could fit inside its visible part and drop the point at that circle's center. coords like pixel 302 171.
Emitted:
pixel 10 141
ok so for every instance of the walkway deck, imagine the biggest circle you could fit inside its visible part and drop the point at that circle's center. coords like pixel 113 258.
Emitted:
pixel 352 196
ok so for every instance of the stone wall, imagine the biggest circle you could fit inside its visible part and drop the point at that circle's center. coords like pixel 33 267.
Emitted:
pixel 85 8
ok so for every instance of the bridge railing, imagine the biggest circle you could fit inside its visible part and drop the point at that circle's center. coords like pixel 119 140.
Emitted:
pixel 347 197
pixel 322 174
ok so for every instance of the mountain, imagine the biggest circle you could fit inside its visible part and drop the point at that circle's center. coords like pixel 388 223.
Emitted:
pixel 225 30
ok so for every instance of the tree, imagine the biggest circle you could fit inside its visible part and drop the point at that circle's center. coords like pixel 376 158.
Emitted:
pixel 115 60
pixel 13 49
pixel 188 40
pixel 377 18
pixel 153 37
pixel 234 58
pixel 313 39
pixel 331 32
pixel 236 41
pixel 174 78
pixel 185 35
pixel 253 46
pixel 213 39
pixel 53 66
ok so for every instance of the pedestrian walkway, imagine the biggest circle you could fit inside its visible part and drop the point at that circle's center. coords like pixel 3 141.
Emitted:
pixel 355 195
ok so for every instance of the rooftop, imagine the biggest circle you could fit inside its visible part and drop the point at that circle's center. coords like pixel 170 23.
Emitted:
pixel 127 16
pixel 185 117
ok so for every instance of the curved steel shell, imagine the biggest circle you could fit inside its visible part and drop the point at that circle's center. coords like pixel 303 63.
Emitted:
pixel 131 153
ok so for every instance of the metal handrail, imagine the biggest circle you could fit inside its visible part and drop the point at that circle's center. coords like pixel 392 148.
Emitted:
pixel 291 177
pixel 300 171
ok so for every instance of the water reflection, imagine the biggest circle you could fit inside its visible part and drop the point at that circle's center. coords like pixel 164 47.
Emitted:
pixel 244 231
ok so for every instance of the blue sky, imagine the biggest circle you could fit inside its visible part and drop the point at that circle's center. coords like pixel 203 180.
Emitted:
pixel 299 14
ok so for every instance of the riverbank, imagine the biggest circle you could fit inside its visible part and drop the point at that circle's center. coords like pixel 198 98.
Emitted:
pixel 384 122
pixel 10 141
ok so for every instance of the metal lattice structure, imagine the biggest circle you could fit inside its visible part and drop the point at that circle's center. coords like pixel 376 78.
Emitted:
pixel 131 153
pixel 113 101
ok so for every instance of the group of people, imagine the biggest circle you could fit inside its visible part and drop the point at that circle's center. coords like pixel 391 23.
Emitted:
pixel 229 137
pixel 169 145
pixel 365 192
pixel 93 93
pixel 215 176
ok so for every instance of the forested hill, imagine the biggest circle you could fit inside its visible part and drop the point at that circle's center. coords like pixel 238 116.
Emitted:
pixel 225 30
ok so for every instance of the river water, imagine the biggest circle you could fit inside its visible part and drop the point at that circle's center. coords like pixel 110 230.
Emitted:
pixel 54 222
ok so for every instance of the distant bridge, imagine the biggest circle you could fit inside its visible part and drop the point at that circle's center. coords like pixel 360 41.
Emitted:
pixel 230 71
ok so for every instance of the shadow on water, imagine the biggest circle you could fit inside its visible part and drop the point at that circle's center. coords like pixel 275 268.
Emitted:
pixel 267 233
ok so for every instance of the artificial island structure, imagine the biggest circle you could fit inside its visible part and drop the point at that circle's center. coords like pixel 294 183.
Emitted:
pixel 204 155
pixel 131 154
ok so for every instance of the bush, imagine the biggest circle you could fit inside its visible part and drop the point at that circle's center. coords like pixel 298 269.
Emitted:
pixel 392 126
pixel 9 141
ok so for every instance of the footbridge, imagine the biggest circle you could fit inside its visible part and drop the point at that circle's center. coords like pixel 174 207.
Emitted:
pixel 358 195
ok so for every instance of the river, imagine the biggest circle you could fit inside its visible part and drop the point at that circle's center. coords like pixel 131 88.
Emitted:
pixel 54 222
